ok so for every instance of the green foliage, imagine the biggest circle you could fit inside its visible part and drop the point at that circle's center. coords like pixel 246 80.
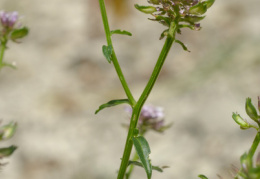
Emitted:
pixel 6 152
pixel 202 177
pixel 143 150
pixel 251 110
pixel 121 32
pixel 19 33
pixel 139 164
pixel 112 103
pixel 107 52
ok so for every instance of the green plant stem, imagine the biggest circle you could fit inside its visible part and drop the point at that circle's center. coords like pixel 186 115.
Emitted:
pixel 3 47
pixel 137 108
pixel 131 167
pixel 254 146
pixel 114 58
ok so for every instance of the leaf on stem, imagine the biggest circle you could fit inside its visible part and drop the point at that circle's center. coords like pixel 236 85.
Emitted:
pixel 5 152
pixel 121 32
pixel 182 45
pixel 107 51
pixel 19 33
pixel 203 177
pixel 112 103
pixel 143 150
pixel 157 168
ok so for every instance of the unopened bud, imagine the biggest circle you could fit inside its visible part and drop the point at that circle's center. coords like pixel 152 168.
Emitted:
pixel 198 9
pixel 240 121
pixel 146 9
pixel 251 111
pixel 7 131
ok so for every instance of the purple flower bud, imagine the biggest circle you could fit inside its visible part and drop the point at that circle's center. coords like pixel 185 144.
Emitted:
pixel 8 19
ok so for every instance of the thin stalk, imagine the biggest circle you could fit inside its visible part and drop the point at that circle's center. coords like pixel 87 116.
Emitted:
pixel 254 146
pixel 114 58
pixel 3 47
pixel 137 108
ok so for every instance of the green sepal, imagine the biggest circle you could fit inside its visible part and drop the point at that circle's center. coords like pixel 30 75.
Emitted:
pixel 198 9
pixel 19 33
pixel 182 45
pixel 121 32
pixel 107 52
pixel 146 9
pixel 193 19
pixel 112 103
pixel 143 150
pixel 7 131
pixel 203 177
pixel 139 164
pixel 163 20
pixel 209 3
pixel 251 110
pixel 5 152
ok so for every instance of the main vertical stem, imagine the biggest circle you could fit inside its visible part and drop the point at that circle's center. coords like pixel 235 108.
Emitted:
pixel 254 146
pixel 137 108
pixel 3 47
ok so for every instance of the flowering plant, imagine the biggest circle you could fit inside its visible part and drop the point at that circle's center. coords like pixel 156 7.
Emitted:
pixel 175 15
pixel 11 29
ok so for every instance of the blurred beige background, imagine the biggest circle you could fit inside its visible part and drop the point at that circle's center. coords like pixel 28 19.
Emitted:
pixel 62 78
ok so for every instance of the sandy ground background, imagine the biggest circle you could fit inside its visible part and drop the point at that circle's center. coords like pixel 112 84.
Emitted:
pixel 62 78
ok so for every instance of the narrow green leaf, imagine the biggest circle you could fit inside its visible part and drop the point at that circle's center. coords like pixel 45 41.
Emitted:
pixel 19 33
pixel 143 150
pixel 5 152
pixel 182 45
pixel 107 51
pixel 139 164
pixel 112 103
pixel 121 32
pixel 203 177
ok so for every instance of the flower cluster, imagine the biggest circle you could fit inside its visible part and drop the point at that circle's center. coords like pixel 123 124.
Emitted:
pixel 184 13
pixel 10 27
pixel 151 118
pixel 8 19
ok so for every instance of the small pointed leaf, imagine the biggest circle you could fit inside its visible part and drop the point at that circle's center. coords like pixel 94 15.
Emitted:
pixel 107 51
pixel 203 177
pixel 19 33
pixel 209 3
pixel 182 45
pixel 143 150
pixel 112 103
pixel 5 152
pixel 121 32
